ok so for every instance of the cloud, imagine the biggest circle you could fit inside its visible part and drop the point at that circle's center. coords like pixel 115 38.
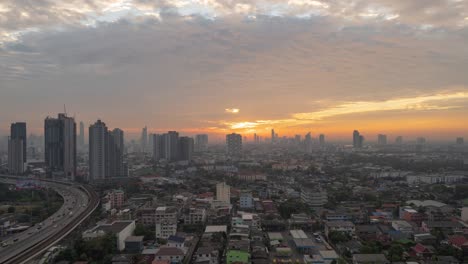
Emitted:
pixel 177 62
pixel 421 103
pixel 232 110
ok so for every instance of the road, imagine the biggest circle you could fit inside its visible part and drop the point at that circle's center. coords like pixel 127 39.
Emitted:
pixel 79 203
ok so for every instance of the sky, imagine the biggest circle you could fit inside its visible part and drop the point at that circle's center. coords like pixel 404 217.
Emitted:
pixel 396 67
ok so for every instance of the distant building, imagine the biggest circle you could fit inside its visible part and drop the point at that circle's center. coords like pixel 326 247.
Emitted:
pixel 201 142
pixel 186 147
pixel 460 141
pixel 308 143
pixel 106 150
pixel 81 137
pixel 18 131
pixel 60 145
pixel 144 139
pixel 234 144
pixel 358 140
pixel 382 139
pixel 399 140
pixel 15 156
pixel 223 192
pixel 322 139
pixel 158 147
pixel 171 145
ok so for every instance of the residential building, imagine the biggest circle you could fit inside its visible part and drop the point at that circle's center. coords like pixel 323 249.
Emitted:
pixel 18 132
pixel 106 150
pixel 315 197
pixel 201 142
pixel 15 156
pixel 186 146
pixel 246 200
pixel 234 144
pixel 166 221
pixel 60 146
pixel 358 140
pixel 223 192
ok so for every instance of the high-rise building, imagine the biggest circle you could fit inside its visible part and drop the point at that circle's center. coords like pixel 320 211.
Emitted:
pixel 158 147
pixel 18 131
pixel 308 143
pixel 186 146
pixel 60 145
pixel 297 139
pixel 460 141
pixel 201 142
pixel 358 139
pixel 149 147
pixel 234 144
pixel 382 139
pixel 421 140
pixel 116 149
pixel 322 139
pixel 171 145
pixel 144 139
pixel 15 156
pixel 81 137
pixel 223 192
pixel 399 140
pixel 273 136
pixel 97 150
pixel 106 151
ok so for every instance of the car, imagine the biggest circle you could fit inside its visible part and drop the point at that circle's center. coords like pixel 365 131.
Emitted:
pixel 16 239
pixel 4 244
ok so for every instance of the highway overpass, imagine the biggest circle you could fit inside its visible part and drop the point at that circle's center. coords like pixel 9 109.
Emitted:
pixel 79 203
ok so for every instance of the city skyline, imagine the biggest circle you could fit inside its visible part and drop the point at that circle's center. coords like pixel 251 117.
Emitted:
pixel 380 67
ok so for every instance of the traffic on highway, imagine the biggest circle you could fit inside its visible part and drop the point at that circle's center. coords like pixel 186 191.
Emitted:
pixel 76 201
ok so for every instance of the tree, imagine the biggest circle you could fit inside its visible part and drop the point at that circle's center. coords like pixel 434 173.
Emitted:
pixel 395 253
pixel 338 237
pixel 11 209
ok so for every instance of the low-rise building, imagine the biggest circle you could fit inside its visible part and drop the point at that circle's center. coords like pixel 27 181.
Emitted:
pixel 166 222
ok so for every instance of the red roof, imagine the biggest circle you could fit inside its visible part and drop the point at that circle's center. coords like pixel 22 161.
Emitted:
pixel 419 248
pixel 457 240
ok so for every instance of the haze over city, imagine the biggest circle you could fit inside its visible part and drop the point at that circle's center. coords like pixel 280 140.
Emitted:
pixel 395 67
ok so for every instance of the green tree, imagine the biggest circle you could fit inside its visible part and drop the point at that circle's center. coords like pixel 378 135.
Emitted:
pixel 395 253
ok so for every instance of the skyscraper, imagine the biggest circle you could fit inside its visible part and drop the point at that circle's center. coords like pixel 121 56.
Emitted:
pixel 273 135
pixel 322 139
pixel 201 142
pixel 460 141
pixel 186 146
pixel 144 139
pixel 97 151
pixel 18 131
pixel 382 139
pixel 106 150
pixel 358 139
pixel 234 144
pixel 81 138
pixel 171 145
pixel 308 143
pixel 158 147
pixel 60 145
pixel 15 156
pixel 116 149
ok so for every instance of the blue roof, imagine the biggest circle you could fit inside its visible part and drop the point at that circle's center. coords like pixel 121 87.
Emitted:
pixel 177 239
